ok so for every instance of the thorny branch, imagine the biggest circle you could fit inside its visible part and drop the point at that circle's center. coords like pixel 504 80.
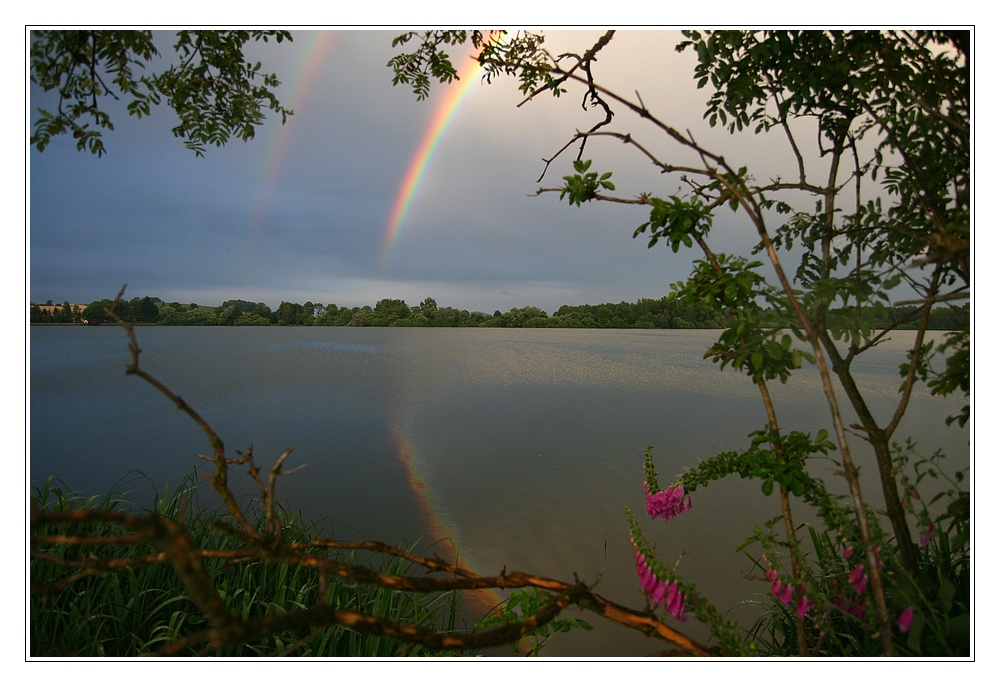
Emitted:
pixel 176 547
pixel 591 98
pixel 715 168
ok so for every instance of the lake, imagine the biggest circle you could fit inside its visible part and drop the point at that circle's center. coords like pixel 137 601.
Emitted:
pixel 521 447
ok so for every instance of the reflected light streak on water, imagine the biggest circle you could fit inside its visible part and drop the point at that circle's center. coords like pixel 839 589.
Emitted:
pixel 519 448
pixel 440 529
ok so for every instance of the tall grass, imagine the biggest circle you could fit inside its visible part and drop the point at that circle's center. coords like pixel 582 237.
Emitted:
pixel 940 599
pixel 138 609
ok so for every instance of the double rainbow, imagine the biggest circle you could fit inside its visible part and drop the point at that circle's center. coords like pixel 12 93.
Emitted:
pixel 313 60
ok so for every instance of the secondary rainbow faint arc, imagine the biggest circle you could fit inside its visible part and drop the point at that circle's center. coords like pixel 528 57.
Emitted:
pixel 304 75
pixel 417 170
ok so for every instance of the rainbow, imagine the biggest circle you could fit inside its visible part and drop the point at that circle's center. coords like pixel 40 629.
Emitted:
pixel 444 115
pixel 313 59
pixel 310 64
pixel 440 528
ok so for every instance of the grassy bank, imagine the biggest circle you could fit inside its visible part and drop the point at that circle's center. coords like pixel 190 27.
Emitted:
pixel 131 602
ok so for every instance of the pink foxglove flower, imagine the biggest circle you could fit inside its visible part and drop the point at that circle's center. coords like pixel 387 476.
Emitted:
pixel 668 503
pixel 675 601
pixel 647 578
pixel 803 606
pixel 905 618
pixel 855 607
pixel 925 535
pixel 779 589
pixel 858 578
pixel 659 591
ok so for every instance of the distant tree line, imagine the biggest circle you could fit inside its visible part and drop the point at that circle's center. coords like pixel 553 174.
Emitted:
pixel 645 313
pixel 49 313
pixel 137 311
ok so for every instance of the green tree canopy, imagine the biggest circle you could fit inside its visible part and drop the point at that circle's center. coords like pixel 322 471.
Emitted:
pixel 213 89
pixel 876 212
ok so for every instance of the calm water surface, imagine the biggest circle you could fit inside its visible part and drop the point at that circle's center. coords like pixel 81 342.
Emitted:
pixel 521 448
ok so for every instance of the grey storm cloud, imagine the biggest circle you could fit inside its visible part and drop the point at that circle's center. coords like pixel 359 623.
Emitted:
pixel 301 212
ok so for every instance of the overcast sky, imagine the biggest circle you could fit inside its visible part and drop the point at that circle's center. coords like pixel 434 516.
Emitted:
pixel 301 212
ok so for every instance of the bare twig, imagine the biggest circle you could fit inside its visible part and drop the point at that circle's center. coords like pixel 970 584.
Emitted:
pixel 227 630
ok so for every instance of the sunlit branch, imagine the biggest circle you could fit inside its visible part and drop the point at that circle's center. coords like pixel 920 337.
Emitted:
pixel 227 630
pixel 747 200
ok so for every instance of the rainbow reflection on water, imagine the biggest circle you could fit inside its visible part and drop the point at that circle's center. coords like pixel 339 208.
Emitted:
pixel 439 525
